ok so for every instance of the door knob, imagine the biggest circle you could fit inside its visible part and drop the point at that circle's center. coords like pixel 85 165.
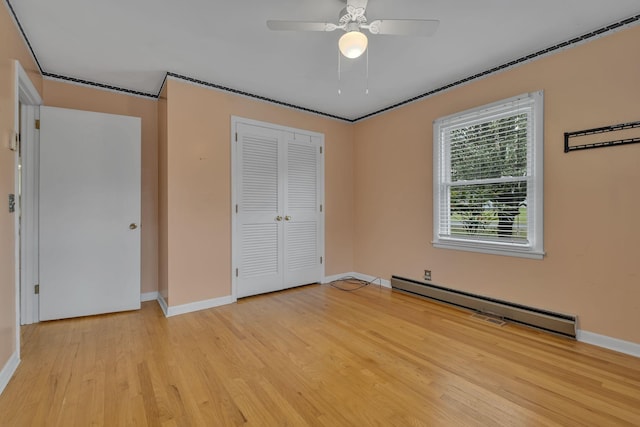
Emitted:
pixel 287 218
pixel 133 226
pixel 278 218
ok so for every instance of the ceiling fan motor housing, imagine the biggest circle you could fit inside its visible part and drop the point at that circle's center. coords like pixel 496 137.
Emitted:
pixel 352 26
pixel 353 15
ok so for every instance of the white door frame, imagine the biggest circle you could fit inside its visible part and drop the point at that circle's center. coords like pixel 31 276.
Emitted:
pixel 26 243
pixel 29 300
pixel 235 256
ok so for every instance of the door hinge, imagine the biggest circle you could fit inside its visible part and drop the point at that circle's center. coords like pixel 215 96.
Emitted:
pixel 320 208
pixel 36 289
pixel 320 260
pixel 37 124
pixel 236 136
pixel 236 208
pixel 237 272
pixel 14 143
pixel 320 150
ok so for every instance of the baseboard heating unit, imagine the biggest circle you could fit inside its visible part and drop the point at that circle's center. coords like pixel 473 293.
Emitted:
pixel 562 324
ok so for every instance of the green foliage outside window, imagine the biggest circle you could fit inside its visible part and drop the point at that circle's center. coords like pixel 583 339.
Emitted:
pixel 489 151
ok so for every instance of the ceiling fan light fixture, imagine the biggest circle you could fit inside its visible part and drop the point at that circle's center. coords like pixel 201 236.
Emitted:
pixel 353 44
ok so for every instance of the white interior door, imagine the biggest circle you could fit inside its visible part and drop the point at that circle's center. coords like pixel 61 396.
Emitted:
pixel 278 234
pixel 89 213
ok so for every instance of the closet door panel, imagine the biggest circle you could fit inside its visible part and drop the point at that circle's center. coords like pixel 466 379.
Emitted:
pixel 260 206
pixel 302 210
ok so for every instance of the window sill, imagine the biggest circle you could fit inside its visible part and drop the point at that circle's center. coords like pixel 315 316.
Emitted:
pixel 489 249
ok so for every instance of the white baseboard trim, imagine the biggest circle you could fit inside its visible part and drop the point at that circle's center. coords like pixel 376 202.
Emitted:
pixel 8 370
pixel 376 280
pixel 163 304
pixel 149 296
pixel 196 306
pixel 609 343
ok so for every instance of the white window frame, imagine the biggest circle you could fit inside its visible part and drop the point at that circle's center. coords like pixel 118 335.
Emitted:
pixel 441 165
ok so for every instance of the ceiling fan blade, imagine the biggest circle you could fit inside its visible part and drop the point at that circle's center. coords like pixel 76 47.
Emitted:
pixel 300 26
pixel 404 27
pixel 358 3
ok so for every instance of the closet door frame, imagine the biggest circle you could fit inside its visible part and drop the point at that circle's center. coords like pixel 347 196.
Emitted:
pixel 235 252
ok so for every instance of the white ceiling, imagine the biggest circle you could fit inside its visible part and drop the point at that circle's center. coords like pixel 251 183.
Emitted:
pixel 131 44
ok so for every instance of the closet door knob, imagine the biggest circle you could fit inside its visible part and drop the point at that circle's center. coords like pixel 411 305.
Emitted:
pixel 278 218
pixel 287 218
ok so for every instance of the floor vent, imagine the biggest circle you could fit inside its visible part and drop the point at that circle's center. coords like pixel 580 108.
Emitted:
pixel 558 323
pixel 489 319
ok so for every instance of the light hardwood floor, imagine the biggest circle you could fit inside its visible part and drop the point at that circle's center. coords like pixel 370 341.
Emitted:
pixel 314 356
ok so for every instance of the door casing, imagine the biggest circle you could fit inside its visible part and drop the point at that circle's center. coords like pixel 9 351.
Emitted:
pixel 29 100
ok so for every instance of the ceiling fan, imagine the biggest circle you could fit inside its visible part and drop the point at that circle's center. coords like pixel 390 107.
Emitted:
pixel 352 20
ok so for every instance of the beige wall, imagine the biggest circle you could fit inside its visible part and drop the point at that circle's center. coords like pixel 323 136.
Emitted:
pixel 591 197
pixel 12 47
pixel 199 187
pixel 163 232
pixel 65 95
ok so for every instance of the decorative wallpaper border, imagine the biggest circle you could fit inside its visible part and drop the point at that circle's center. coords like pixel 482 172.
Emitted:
pixel 251 95
pixel 100 85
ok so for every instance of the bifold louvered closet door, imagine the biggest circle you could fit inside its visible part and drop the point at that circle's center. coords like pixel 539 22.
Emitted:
pixel 278 220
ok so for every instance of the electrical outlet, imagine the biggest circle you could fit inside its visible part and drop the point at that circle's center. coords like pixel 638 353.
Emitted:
pixel 427 275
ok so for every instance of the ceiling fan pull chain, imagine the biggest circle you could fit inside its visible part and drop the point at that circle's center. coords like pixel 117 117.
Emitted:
pixel 367 91
pixel 339 91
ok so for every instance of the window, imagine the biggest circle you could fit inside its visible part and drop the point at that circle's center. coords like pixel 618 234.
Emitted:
pixel 488 178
